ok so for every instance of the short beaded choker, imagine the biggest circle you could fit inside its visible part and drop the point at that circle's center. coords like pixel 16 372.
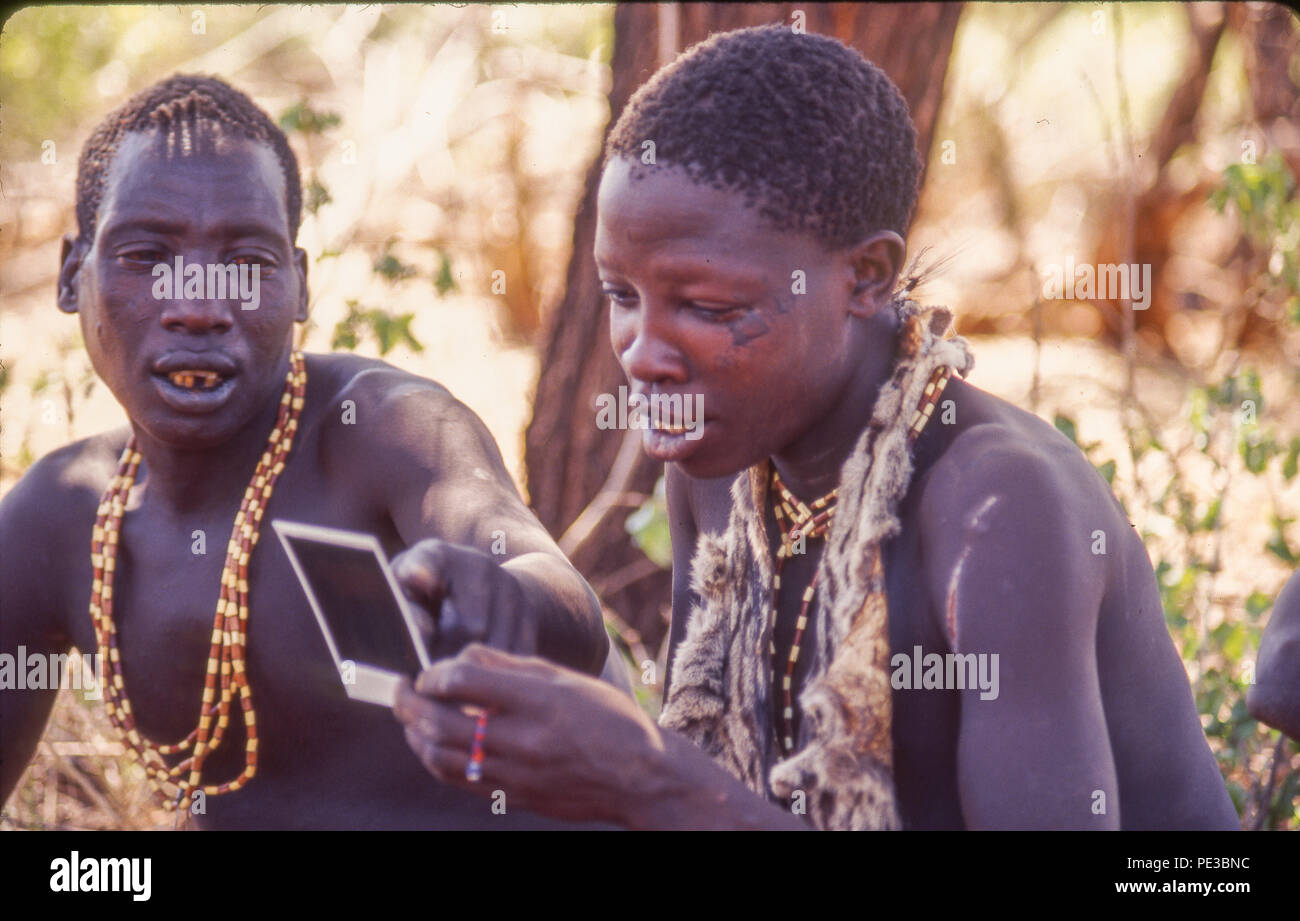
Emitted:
pixel 229 630
pixel 796 521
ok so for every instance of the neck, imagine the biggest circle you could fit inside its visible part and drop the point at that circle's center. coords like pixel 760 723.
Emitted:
pixel 192 480
pixel 810 465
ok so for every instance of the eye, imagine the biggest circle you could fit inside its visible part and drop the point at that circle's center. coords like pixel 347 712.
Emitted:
pixel 266 265
pixel 618 297
pixel 142 256
pixel 715 313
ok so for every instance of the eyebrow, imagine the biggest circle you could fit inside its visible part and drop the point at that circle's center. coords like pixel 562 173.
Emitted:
pixel 692 267
pixel 685 269
pixel 161 225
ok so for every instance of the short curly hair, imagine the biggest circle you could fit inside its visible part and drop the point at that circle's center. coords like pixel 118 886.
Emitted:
pixel 808 129
pixel 181 103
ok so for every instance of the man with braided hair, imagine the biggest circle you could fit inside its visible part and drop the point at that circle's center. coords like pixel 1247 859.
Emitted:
pixel 97 540
pixel 891 605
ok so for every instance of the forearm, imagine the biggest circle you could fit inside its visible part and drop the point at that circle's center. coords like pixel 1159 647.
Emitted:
pixel 570 629
pixel 677 786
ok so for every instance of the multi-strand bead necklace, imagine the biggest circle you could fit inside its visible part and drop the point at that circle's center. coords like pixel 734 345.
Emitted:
pixel 795 520
pixel 226 666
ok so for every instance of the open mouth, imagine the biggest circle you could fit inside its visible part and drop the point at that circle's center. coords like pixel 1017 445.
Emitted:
pixel 672 443
pixel 671 429
pixel 195 379
pixel 187 389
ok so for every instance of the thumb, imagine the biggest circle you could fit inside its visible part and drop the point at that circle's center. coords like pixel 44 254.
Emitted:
pixel 422 572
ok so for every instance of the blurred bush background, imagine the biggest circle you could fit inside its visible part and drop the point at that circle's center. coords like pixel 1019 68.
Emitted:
pixel 446 156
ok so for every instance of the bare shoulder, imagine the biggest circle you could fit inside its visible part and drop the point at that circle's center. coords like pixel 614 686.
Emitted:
pixel 69 479
pixel 1014 522
pixel 369 406
pixel 47 517
pixel 394 435
pixel 1010 457
pixel 362 391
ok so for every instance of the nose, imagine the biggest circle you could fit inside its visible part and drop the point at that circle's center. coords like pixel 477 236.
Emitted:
pixel 196 316
pixel 646 350
pixel 202 312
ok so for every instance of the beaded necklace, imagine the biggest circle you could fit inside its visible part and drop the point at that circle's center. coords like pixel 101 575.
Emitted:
pixel 226 657
pixel 794 520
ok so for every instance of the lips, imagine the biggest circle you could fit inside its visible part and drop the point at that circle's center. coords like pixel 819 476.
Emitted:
pixel 671 444
pixel 193 378
pixel 194 381
pixel 669 428
pixel 195 361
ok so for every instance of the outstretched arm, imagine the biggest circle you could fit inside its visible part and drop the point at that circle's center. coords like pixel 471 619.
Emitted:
pixel 563 745
pixel 571 747
pixel 477 557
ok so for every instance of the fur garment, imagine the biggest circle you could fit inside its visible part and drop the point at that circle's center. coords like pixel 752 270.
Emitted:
pixel 722 675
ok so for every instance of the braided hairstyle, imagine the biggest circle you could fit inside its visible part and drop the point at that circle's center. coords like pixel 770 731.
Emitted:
pixel 803 125
pixel 187 109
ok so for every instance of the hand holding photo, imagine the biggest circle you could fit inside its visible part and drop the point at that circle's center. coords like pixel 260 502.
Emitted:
pixel 370 629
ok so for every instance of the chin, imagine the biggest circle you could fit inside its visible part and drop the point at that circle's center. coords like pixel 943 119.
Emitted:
pixel 191 432
pixel 186 434
pixel 702 466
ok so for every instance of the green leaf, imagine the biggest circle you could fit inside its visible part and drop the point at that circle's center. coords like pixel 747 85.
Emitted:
pixel 442 279
pixel 1107 471
pixel 345 337
pixel 1289 462
pixel 315 195
pixel 1278 546
pixel 345 330
pixel 1065 425
pixel 392 268
pixel 302 117
pixel 1211 519
pixel 1258 603
pixel 648 526
pixel 392 331
pixel 1256 452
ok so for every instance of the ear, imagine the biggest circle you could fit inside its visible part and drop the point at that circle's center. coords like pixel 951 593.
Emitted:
pixel 300 263
pixel 876 263
pixel 69 265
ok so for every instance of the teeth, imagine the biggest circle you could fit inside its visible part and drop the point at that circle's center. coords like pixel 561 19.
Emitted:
pixel 186 379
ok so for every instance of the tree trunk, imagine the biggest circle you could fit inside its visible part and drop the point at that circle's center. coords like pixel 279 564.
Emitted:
pixel 567 458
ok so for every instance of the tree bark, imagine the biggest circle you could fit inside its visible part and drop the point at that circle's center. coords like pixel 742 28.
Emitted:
pixel 567 459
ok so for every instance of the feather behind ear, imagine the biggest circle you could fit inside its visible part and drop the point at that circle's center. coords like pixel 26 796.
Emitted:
pixel 920 270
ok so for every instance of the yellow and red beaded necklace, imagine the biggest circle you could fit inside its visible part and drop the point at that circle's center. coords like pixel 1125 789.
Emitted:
pixel 229 629
pixel 794 519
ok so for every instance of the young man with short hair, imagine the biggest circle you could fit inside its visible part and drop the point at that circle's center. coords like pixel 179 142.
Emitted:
pixel 242 719
pixel 898 600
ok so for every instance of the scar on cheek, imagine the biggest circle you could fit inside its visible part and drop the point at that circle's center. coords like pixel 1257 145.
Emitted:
pixel 974 527
pixel 747 329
